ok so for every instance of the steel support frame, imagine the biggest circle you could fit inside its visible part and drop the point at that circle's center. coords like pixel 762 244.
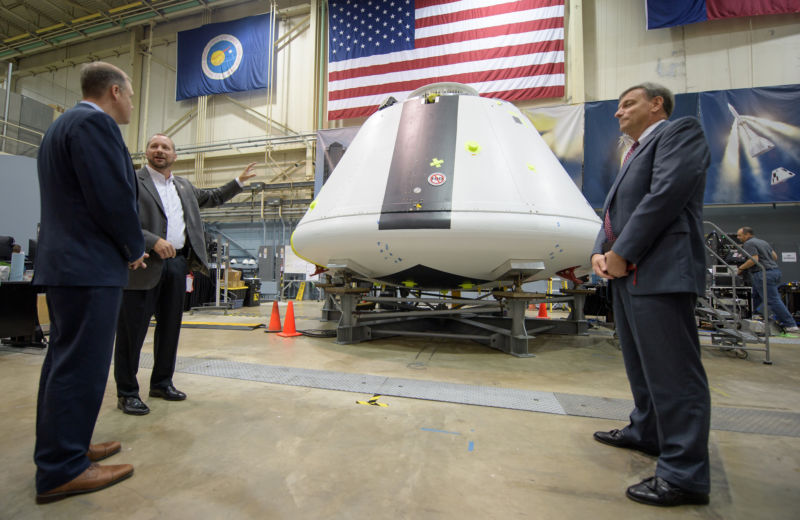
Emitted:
pixel 487 322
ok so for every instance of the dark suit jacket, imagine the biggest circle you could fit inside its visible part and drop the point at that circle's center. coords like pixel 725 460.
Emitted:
pixel 656 210
pixel 89 227
pixel 154 223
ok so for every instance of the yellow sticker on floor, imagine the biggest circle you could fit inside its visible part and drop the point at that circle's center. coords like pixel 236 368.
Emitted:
pixel 373 401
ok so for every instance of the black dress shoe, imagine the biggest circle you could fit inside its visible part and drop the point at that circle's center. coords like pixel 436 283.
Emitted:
pixel 617 439
pixel 132 406
pixel 656 491
pixel 169 393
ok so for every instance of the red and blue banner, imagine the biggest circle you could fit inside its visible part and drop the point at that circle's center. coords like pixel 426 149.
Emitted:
pixel 669 13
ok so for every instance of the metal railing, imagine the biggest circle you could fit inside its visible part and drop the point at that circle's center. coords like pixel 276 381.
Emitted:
pixel 730 241
pixel 21 128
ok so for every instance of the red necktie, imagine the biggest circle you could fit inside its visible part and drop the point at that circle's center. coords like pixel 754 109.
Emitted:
pixel 607 220
pixel 630 151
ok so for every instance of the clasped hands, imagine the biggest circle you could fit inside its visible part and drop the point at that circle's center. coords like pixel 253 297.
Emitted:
pixel 609 265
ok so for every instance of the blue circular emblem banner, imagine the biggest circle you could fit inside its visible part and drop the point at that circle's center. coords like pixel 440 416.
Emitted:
pixel 222 56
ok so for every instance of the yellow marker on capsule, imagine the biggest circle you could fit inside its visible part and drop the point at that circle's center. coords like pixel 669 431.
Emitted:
pixel 472 147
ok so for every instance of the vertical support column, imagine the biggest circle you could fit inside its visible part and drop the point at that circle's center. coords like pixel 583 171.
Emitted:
pixel 309 161
pixel 344 331
pixel 133 130
pixel 200 137
pixel 7 101
pixel 329 310
pixel 349 331
pixel 312 27
pixel 518 342
pixel 146 88
pixel 573 38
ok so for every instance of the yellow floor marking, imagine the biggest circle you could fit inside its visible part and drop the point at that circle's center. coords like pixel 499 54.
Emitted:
pixel 373 401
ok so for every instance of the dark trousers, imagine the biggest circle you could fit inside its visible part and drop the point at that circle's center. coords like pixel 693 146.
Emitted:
pixel 165 301
pixel 672 404
pixel 73 380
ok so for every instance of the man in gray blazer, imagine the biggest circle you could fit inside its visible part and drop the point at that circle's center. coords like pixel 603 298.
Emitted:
pixel 169 211
pixel 651 251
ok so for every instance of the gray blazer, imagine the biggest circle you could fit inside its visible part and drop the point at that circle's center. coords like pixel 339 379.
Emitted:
pixel 656 210
pixel 154 224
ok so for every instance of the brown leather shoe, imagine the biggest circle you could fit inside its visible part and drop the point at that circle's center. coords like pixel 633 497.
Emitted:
pixel 94 478
pixel 98 452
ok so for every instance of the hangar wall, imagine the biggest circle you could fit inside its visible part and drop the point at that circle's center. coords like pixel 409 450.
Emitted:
pixel 608 49
pixel 52 78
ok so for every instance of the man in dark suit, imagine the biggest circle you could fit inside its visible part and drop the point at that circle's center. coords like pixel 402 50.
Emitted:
pixel 651 250
pixel 89 239
pixel 169 210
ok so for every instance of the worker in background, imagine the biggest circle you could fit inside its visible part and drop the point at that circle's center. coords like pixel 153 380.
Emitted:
pixel 651 249
pixel 763 253
pixel 89 240
pixel 169 211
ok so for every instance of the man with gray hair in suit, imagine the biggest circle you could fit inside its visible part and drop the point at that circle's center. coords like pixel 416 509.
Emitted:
pixel 169 211
pixel 651 250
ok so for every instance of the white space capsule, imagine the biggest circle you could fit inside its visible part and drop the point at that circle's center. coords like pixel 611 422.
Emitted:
pixel 448 189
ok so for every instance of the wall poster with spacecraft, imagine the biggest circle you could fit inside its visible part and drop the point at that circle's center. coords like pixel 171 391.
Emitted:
pixel 754 137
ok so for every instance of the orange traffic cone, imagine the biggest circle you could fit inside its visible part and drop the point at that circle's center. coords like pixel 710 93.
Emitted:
pixel 288 323
pixel 275 319
pixel 542 310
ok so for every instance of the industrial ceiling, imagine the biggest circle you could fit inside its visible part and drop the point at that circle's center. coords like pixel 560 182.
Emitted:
pixel 31 26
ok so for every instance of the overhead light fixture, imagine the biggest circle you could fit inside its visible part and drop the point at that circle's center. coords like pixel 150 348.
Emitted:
pixel 756 144
pixel 124 7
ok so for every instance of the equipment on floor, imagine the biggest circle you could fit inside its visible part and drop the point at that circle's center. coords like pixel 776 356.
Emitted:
pixel 493 318
pixel 727 304
pixel 288 324
pixel 274 319
pixel 543 310
pixel 449 190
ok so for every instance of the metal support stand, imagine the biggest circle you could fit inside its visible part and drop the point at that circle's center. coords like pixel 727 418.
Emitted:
pixel 349 330
pixel 500 323
pixel 516 342
pixel 329 310
pixel 579 302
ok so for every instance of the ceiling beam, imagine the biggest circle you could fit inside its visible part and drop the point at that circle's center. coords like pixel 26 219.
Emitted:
pixel 32 31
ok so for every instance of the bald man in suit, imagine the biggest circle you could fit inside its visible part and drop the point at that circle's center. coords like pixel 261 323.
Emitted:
pixel 651 250
pixel 90 239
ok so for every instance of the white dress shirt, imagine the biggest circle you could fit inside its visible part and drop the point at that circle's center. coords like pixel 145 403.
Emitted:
pixel 171 202
pixel 649 129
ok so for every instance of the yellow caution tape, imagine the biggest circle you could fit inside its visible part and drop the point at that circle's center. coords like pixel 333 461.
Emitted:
pixel 373 401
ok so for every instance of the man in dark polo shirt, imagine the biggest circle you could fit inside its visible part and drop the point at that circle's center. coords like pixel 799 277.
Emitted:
pixel 763 253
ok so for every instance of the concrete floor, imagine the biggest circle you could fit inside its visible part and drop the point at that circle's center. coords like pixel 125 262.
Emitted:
pixel 248 449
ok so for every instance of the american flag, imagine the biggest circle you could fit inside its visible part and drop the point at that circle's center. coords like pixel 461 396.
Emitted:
pixel 382 48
